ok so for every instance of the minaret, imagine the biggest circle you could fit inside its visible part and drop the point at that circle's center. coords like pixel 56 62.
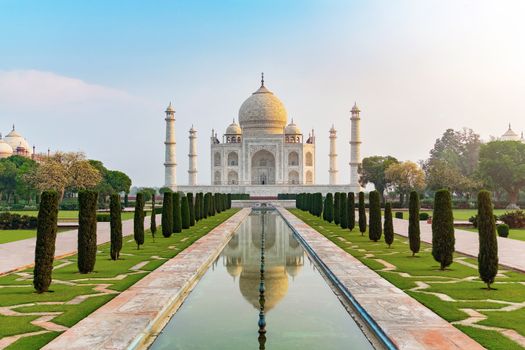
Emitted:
pixel 333 157
pixel 170 163
pixel 355 147
pixel 192 169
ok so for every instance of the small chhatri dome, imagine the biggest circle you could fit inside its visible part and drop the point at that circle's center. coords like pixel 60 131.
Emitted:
pixel 332 129
pixel 292 129
pixel 262 113
pixel 16 141
pixel 510 135
pixel 355 109
pixel 170 108
pixel 233 129
pixel 5 149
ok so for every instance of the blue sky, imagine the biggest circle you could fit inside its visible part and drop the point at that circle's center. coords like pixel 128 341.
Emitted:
pixel 96 75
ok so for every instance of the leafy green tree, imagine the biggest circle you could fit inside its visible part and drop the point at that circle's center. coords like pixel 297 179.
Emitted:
pixel 87 230
pixel 328 212
pixel 374 231
pixel 414 232
pixel 192 208
pixel 362 213
pixel 46 234
pixel 337 208
pixel 388 227
pixel 185 213
pixel 343 211
pixel 177 214
pixel 167 214
pixel 350 206
pixel 115 223
pixel 405 177
pixel 443 229
pixel 488 242
pixel 373 171
pixel 138 221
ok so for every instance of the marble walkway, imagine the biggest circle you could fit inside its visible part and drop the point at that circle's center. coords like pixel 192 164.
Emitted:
pixel 130 319
pixel 510 251
pixel 19 255
pixel 409 324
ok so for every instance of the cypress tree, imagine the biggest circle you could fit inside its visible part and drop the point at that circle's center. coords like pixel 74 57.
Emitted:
pixel 126 200
pixel 229 199
pixel 388 225
pixel 197 207
pixel 328 212
pixel 211 206
pixel 217 202
pixel 443 229
pixel 337 208
pixel 205 205
pixel 192 209
pixel 203 214
pixel 318 204
pixel 153 221
pixel 374 231
pixel 225 201
pixel 350 207
pixel 167 214
pixel 343 210
pixel 362 213
pixel 138 221
pixel 87 230
pixel 413 223
pixel 115 225
pixel 177 215
pixel 46 234
pixel 488 242
pixel 185 213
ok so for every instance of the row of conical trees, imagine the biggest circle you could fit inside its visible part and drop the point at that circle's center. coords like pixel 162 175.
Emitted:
pixel 339 208
pixel 179 212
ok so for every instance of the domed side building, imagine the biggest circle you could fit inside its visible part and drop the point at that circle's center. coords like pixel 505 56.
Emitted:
pixel 263 148
pixel 510 135
pixel 16 143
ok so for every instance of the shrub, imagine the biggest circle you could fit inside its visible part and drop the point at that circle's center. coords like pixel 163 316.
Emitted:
pixel 399 215
pixel 115 225
pixel 318 204
pixel 138 220
pixel 191 205
pixel 362 213
pixel 488 243
pixel 103 217
pixel 205 205
pixel 46 234
pixel 443 229
pixel 167 214
pixel 197 207
pixel 328 212
pixel 414 232
pixel 185 213
pixel 9 221
pixel 153 221
pixel 177 215
pixel 388 227
pixel 375 230
pixel 503 230
pixel 343 211
pixel 515 219
pixel 337 208
pixel 424 216
pixel 350 208
pixel 87 230
pixel 229 198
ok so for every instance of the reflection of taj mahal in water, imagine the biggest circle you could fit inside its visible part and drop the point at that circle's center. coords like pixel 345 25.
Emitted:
pixel 263 154
pixel 284 258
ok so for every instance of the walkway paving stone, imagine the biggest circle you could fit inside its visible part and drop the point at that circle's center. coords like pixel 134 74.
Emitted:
pixel 510 251
pixel 19 255
pixel 127 321
pixel 409 324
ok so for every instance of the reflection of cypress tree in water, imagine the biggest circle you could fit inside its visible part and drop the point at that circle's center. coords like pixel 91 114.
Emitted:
pixel 262 319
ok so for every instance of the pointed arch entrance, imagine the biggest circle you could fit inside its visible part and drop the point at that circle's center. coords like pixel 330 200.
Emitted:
pixel 263 168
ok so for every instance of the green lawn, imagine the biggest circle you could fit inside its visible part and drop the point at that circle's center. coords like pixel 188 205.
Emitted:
pixel 67 215
pixel 463 214
pixel 460 282
pixel 518 233
pixel 68 284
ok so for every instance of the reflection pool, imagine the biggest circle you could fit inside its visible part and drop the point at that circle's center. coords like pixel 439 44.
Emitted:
pixel 294 309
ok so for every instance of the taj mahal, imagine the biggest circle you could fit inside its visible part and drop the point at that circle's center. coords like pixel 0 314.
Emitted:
pixel 263 154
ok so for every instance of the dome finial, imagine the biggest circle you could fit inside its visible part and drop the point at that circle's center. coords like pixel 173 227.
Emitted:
pixel 13 127
pixel 262 79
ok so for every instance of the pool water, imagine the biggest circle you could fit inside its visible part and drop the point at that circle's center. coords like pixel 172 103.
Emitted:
pixel 295 309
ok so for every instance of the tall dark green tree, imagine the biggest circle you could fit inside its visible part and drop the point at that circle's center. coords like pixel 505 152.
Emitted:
pixel 350 207
pixel 46 234
pixel 115 223
pixel 337 208
pixel 177 214
pixel 318 204
pixel 192 208
pixel 197 207
pixel 343 210
pixel 138 220
pixel 167 214
pixel 185 213
pixel 388 227
pixel 229 197
pixel 362 213
pixel 328 210
pixel 205 205
pixel 443 229
pixel 87 230
pixel 374 230
pixel 413 223
pixel 488 242
pixel 153 221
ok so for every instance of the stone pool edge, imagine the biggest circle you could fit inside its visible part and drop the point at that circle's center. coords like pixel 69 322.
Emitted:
pixel 405 321
pixel 133 318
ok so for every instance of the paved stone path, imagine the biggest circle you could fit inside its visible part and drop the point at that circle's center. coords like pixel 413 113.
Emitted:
pixel 19 255
pixel 409 324
pixel 510 251
pixel 128 321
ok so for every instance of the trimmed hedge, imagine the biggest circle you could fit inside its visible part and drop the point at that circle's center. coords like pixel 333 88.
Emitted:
pixel 153 221
pixel 399 215
pixel 167 214
pixel 191 206
pixel 10 221
pixel 350 207
pixel 424 216
pixel 138 220
pixel 87 230
pixel 414 232
pixel 388 225
pixel 443 229
pixel 328 210
pixel 488 243
pixel 503 230
pixel 177 215
pixel 337 208
pixel 375 230
pixel 362 213
pixel 115 225
pixel 185 213
pixel 343 205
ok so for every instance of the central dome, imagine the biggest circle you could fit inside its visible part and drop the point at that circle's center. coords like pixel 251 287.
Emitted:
pixel 262 113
